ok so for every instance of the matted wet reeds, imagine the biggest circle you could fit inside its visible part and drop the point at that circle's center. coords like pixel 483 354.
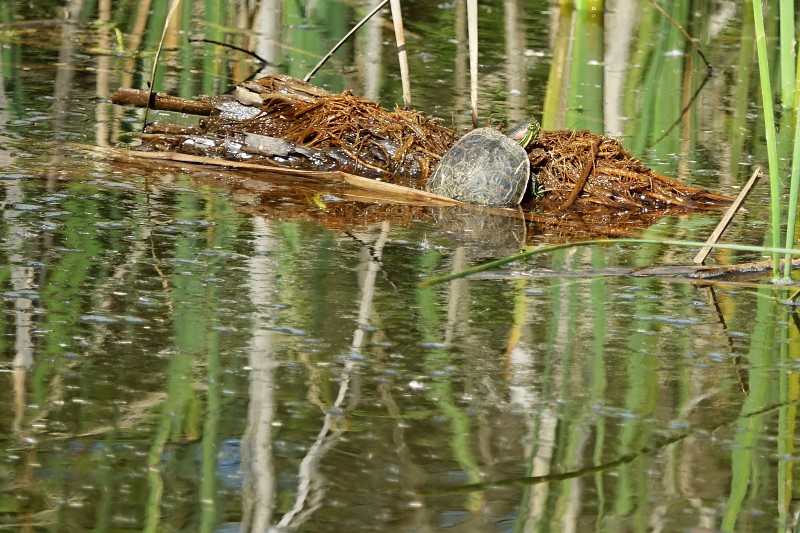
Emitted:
pixel 582 168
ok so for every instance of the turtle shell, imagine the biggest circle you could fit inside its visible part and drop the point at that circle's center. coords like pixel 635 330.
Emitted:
pixel 484 167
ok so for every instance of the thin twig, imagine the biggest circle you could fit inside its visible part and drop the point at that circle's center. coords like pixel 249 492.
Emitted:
pixel 150 93
pixel 587 170
pixel 338 45
pixel 252 54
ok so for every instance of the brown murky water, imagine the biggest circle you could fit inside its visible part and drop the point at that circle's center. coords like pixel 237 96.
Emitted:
pixel 197 350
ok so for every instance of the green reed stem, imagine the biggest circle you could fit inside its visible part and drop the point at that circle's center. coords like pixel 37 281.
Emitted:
pixel 794 190
pixel 787 52
pixel 586 5
pixel 790 86
pixel 769 126
pixel 797 88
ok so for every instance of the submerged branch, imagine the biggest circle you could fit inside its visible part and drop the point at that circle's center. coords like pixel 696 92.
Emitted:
pixel 697 271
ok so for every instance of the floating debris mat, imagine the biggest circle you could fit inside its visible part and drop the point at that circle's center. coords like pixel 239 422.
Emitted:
pixel 579 168
pixel 294 123
pixel 281 120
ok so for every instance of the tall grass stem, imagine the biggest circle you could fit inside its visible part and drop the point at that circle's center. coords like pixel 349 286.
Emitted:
pixel 400 39
pixel 769 127
pixel 472 32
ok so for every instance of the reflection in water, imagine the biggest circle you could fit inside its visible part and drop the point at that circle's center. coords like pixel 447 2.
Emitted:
pixel 258 487
pixel 173 362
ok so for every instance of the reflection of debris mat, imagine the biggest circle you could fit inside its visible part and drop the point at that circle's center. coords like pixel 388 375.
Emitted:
pixel 342 208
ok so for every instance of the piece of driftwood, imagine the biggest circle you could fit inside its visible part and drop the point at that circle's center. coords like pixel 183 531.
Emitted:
pixel 161 102
pixel 390 190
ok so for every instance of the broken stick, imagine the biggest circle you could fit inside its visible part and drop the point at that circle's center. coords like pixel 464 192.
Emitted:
pixel 726 220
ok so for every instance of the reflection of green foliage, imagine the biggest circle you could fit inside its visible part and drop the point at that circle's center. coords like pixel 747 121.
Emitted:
pixel 749 468
pixel 66 284
pixel 441 391
pixel 196 301
pixel 586 85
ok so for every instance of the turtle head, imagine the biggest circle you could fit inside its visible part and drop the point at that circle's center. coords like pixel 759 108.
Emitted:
pixel 526 132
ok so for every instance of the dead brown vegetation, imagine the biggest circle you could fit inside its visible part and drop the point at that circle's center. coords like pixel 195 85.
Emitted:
pixel 596 171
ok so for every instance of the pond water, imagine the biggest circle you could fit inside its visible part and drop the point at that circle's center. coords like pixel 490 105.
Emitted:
pixel 181 351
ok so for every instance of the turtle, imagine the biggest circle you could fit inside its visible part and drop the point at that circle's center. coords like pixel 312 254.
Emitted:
pixel 486 167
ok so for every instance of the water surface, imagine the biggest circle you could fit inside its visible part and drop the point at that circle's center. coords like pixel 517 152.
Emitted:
pixel 181 351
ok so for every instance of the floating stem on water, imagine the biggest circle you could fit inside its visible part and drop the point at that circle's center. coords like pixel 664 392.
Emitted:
pixel 551 248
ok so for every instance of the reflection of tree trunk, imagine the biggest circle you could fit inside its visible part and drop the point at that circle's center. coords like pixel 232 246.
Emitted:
pixel 543 424
pixel 64 68
pixel 135 38
pixel 458 287
pixel 370 57
pixel 620 22
pixel 21 278
pixel 686 130
pixel 411 475
pixel 258 487
pixel 103 109
pixel 267 25
pixel 311 488
pixel 368 286
pixel 63 82
pixel 516 79
pixel 461 100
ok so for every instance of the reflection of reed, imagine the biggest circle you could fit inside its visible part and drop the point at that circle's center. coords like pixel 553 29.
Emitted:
pixel 103 110
pixel 619 22
pixel 413 476
pixel 620 372
pixel 268 25
pixel 369 56
pixel 516 75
